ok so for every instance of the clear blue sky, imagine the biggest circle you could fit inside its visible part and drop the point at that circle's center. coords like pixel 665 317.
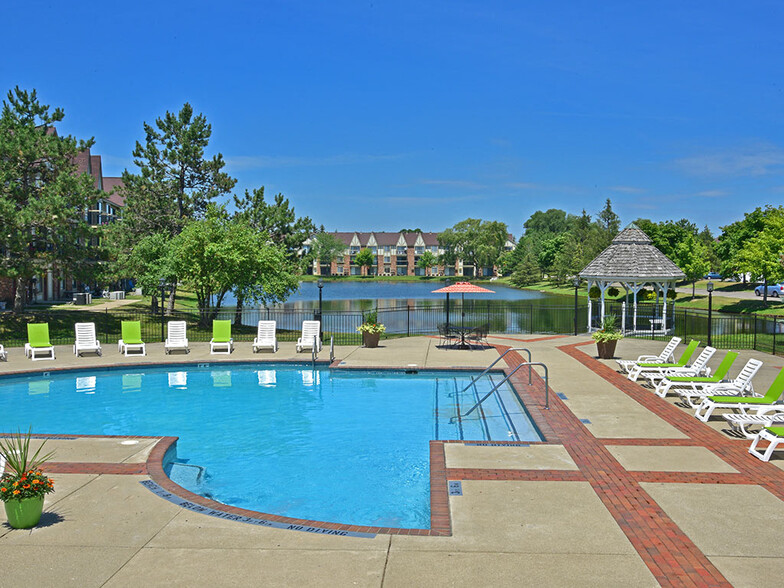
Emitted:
pixel 383 115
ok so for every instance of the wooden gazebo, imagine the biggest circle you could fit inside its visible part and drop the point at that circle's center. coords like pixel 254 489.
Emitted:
pixel 632 261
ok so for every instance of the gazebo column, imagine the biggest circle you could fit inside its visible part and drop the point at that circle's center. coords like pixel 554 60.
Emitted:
pixel 664 308
pixel 590 305
pixel 635 288
pixel 603 287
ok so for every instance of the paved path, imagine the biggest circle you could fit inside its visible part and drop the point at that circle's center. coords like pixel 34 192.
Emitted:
pixel 628 490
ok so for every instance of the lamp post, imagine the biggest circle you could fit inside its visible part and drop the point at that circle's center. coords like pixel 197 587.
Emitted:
pixel 576 286
pixel 320 287
pixel 162 284
pixel 710 311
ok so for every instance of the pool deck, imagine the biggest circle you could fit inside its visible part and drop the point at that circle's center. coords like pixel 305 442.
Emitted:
pixel 628 490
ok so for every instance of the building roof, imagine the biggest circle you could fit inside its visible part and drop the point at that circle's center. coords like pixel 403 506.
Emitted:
pixel 110 186
pixel 632 257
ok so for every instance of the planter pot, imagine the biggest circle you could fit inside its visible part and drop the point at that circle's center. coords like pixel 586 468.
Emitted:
pixel 24 513
pixel 370 339
pixel 607 349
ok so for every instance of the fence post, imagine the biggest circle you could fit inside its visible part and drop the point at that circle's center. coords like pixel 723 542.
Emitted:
pixel 106 325
pixel 775 328
pixel 408 319
pixel 531 317
pixel 754 346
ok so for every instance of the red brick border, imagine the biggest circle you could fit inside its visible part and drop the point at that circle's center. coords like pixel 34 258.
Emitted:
pixel 667 551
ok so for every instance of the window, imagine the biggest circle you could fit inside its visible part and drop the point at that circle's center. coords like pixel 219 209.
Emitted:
pixel 354 250
pixel 419 250
pixel 387 249
pixel 434 249
pixel 387 259
pixel 374 250
pixel 401 250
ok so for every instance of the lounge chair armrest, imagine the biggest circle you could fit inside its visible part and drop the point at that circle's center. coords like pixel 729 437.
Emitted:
pixel 647 358
pixel 770 410
pixel 725 390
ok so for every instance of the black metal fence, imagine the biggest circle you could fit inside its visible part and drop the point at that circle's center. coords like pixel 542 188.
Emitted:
pixel 728 331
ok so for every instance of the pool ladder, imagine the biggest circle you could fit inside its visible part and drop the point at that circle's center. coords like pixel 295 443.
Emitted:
pixel 528 363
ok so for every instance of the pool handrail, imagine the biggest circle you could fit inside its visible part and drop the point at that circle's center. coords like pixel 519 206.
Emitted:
pixel 332 349
pixel 512 373
pixel 500 357
pixel 313 352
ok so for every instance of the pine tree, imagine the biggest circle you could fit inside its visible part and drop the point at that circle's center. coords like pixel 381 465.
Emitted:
pixel 43 199
pixel 176 181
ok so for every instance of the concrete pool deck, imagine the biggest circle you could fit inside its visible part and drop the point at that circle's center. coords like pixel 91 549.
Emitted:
pixel 628 490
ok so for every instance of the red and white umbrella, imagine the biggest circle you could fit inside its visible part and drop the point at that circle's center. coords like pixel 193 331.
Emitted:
pixel 462 288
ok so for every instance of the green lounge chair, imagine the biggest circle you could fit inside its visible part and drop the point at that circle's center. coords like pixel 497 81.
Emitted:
pixel 637 370
pixel 38 342
pixel 131 338
pixel 665 356
pixel 741 403
pixel 683 382
pixel 773 435
pixel 221 337
pixel 739 386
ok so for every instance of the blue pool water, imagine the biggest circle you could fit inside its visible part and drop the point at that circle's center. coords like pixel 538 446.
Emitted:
pixel 330 445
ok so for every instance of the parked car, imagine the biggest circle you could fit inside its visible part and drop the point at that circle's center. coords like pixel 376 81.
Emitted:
pixel 712 276
pixel 775 290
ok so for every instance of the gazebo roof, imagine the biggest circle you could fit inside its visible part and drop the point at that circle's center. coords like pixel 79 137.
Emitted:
pixel 632 257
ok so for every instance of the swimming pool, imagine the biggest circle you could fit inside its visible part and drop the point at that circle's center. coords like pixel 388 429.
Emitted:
pixel 347 446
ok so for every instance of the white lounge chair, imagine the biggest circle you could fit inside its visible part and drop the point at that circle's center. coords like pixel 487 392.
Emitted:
pixel 266 337
pixel 675 382
pixel 683 361
pixel 311 332
pixel 85 339
pixel 3 353
pixel 177 337
pixel 767 416
pixel 698 368
pixel 740 386
pixel 737 401
pixel 665 356
pixel 773 435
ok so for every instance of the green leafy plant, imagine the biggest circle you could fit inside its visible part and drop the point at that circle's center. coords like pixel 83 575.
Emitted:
pixel 594 292
pixel 608 331
pixel 371 324
pixel 22 477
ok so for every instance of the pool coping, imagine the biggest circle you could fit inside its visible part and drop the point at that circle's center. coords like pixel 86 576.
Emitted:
pixel 440 513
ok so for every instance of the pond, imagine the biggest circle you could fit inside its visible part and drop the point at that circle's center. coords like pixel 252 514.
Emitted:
pixel 412 308
pixel 362 296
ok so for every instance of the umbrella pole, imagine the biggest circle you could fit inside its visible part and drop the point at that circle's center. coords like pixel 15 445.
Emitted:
pixel 462 310
pixel 447 311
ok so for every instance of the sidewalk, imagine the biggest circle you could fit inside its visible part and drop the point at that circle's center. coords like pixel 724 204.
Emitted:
pixel 628 490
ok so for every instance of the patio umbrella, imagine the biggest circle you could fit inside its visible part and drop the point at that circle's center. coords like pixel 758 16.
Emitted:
pixel 462 288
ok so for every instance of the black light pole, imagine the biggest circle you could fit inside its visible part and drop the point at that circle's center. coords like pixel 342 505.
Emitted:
pixel 710 311
pixel 162 284
pixel 320 287
pixel 576 285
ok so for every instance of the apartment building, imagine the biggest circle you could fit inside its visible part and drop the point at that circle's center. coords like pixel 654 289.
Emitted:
pixel 57 285
pixel 396 254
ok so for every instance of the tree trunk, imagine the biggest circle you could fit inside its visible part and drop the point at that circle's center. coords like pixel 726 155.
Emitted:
pixel 238 310
pixel 172 297
pixel 19 295
pixel 765 292
pixel 693 287
pixel 154 304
